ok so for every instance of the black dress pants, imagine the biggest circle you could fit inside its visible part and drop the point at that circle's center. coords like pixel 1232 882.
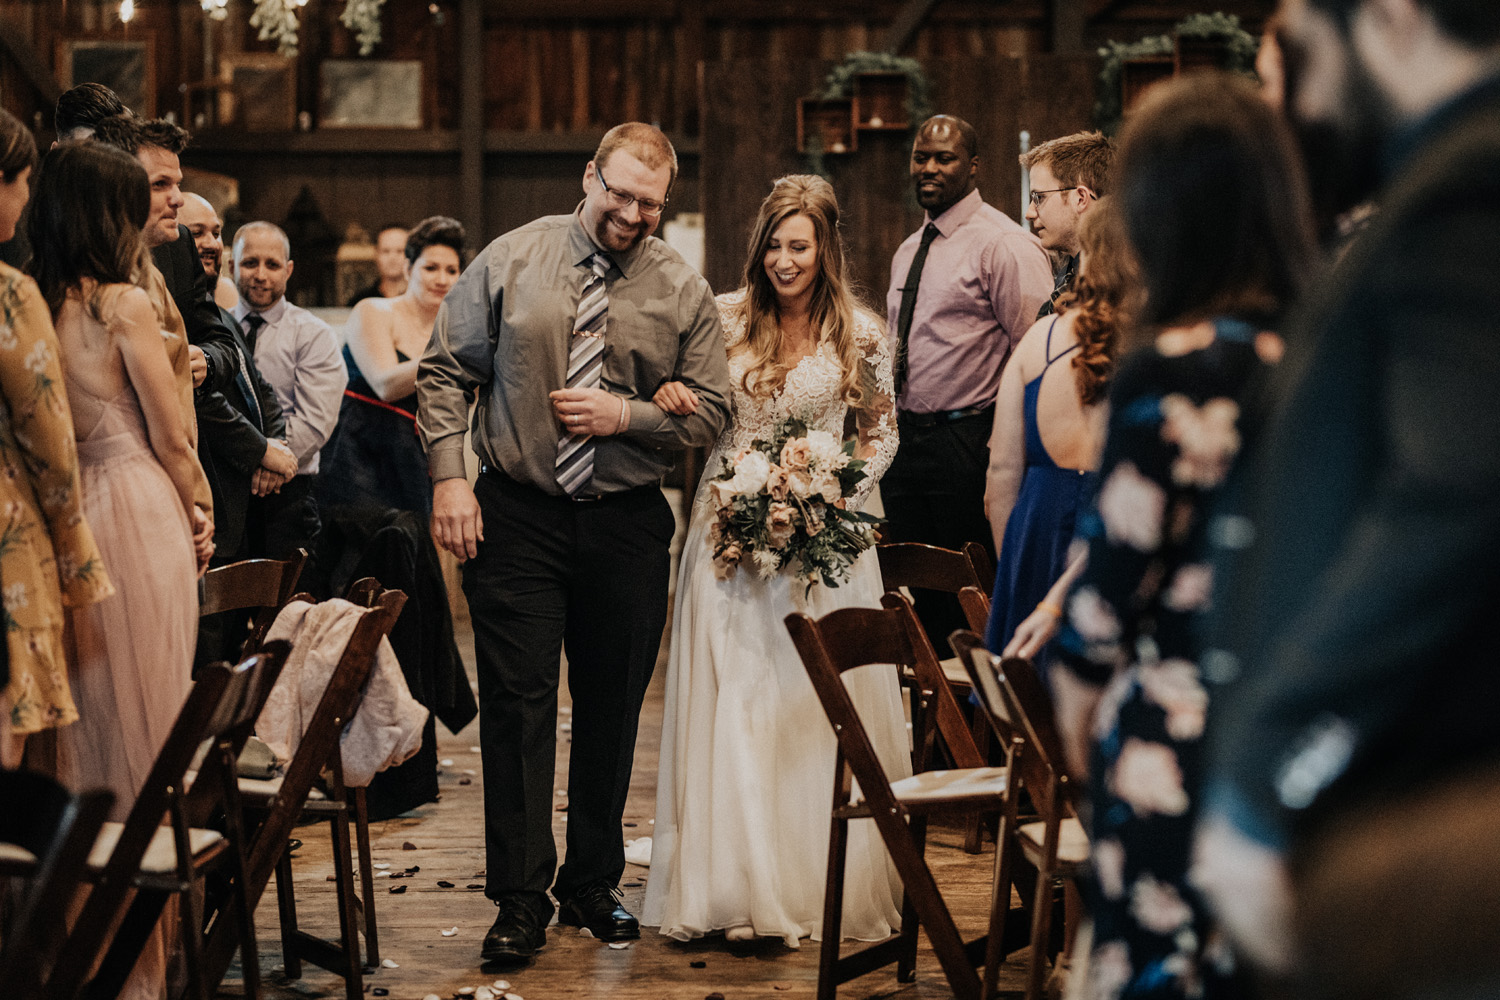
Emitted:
pixel 934 494
pixel 554 574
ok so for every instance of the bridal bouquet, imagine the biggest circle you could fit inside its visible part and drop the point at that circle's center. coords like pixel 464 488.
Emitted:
pixel 778 507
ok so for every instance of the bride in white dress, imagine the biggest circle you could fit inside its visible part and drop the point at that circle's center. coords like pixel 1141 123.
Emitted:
pixel 746 775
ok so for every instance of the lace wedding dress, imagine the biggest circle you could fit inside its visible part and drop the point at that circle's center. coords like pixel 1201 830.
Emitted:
pixel 747 754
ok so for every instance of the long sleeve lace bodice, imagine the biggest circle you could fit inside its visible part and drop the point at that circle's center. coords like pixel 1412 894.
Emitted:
pixel 811 393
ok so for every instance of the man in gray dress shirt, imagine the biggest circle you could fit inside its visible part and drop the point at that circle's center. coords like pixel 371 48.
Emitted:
pixel 299 356
pixel 583 568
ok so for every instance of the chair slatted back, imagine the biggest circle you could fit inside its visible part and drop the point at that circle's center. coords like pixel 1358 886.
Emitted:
pixel 929 567
pixel 264 585
pixel 838 642
pixel 1044 769
pixel 943 714
pixel 58 829
pixel 980 664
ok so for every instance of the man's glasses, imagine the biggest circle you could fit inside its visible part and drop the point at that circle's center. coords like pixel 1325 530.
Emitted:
pixel 1037 197
pixel 619 199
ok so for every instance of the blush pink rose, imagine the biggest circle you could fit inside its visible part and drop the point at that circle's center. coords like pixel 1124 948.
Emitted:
pixel 1148 778
pixel 1132 507
pixel 1174 685
pixel 1206 437
pixel 796 453
pixel 1158 906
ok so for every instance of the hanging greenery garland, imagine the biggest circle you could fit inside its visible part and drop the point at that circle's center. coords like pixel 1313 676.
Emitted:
pixel 839 83
pixel 1240 50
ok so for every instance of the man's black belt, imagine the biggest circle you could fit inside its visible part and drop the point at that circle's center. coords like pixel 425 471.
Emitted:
pixel 944 416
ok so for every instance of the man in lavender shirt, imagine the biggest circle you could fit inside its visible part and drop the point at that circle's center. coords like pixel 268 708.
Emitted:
pixel 964 288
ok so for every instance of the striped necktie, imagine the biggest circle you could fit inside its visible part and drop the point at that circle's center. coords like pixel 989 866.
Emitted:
pixel 575 452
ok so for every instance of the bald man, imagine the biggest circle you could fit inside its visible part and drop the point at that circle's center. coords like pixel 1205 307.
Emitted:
pixel 964 288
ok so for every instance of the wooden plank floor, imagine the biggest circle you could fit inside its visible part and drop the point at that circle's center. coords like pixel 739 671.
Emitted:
pixel 448 838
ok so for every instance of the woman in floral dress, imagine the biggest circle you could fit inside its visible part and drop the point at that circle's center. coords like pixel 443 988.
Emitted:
pixel 1217 215
pixel 48 558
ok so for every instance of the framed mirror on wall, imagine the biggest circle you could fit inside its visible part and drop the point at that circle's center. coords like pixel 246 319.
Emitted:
pixel 126 66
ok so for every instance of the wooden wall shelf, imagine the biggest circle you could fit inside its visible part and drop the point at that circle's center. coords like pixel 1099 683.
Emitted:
pixel 834 120
pixel 880 101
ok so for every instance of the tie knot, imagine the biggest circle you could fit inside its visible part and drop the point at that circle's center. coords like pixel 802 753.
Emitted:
pixel 255 321
pixel 601 263
pixel 930 233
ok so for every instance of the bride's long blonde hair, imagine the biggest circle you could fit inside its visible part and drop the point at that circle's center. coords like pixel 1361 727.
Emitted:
pixel 833 306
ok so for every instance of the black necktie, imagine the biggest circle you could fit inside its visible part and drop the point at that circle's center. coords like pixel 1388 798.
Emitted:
pixel 253 323
pixel 909 303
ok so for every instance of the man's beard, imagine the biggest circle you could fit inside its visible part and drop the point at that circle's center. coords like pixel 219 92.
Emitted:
pixel 602 234
pixel 1343 158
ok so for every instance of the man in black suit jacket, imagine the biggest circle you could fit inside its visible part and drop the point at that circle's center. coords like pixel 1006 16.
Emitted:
pixel 1355 634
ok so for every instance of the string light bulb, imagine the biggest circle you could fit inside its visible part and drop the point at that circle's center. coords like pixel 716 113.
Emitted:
pixel 127 11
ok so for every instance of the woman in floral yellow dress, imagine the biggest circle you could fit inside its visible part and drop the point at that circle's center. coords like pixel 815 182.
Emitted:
pixel 48 558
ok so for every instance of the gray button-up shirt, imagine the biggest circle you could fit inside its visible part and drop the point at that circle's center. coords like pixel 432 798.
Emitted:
pixel 506 328
pixel 299 356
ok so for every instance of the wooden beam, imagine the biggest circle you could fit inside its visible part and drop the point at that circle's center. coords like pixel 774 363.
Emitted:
pixel 905 25
pixel 13 40
pixel 1068 20
pixel 471 137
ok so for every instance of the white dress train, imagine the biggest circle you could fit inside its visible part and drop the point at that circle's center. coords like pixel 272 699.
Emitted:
pixel 746 774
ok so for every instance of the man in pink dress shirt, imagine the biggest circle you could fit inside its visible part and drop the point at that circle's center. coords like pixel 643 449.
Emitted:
pixel 964 288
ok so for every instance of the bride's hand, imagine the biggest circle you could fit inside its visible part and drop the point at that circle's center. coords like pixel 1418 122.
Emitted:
pixel 676 398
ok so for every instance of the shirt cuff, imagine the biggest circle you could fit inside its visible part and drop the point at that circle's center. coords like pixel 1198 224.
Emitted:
pixel 645 417
pixel 446 460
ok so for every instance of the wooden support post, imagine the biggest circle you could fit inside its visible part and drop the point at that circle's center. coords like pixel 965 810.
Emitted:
pixel 471 121
pixel 908 19
pixel 31 65
pixel 1068 19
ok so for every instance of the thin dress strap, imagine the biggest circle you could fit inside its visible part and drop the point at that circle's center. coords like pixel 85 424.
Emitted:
pixel 1048 350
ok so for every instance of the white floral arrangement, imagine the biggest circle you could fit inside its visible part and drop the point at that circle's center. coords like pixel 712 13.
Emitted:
pixel 779 506
pixel 277 21
pixel 363 18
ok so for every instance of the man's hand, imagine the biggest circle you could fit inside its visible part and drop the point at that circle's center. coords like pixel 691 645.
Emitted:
pixel 590 411
pixel 203 538
pixel 1248 887
pixel 676 398
pixel 279 459
pixel 264 482
pixel 456 522
pixel 197 364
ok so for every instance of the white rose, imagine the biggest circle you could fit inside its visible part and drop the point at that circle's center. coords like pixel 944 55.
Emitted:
pixel 827 452
pixel 750 473
pixel 827 484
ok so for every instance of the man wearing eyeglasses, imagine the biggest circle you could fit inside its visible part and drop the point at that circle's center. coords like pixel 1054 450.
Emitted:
pixel 964 288
pixel 564 329
pixel 1068 175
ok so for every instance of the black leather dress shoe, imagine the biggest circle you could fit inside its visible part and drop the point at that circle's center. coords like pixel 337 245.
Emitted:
pixel 597 907
pixel 515 936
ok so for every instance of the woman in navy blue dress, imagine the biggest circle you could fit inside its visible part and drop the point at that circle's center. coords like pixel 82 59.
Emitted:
pixel 1049 429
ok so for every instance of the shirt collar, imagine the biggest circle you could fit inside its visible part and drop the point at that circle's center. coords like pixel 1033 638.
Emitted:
pixel 583 246
pixel 1408 140
pixel 272 314
pixel 958 213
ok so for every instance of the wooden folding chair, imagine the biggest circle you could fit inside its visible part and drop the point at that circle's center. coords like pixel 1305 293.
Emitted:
pixel 1015 700
pixel 53 835
pixel 260 585
pixel 155 861
pixel 841 641
pixel 950 571
pixel 279 804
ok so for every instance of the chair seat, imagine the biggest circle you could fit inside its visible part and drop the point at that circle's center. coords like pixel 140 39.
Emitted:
pixel 259 791
pixel 980 786
pixel 954 672
pixel 15 854
pixel 161 855
pixel 1072 841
